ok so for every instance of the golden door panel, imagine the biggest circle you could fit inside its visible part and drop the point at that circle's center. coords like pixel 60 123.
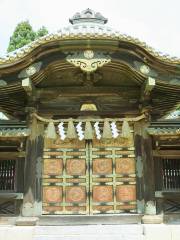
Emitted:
pixel 76 194
pixel 102 166
pixel 112 177
pixel 65 178
pixel 53 166
pixel 125 166
pixel 52 194
pixel 126 193
pixel 76 167
pixel 102 194
pixel 95 177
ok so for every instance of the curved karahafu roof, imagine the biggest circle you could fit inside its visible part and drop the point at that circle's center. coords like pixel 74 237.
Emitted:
pixel 85 25
pixel 132 64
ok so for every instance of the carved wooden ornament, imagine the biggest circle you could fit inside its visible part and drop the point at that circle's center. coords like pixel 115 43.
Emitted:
pixel 88 60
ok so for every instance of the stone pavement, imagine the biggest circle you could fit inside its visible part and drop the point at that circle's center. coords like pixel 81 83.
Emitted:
pixel 92 232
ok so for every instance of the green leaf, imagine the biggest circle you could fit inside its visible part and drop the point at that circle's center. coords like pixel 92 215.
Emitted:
pixel 23 35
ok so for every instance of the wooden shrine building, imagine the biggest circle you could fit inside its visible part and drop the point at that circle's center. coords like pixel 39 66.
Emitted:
pixel 88 132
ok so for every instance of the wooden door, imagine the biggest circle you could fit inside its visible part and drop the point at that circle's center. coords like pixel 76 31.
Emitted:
pixel 112 177
pixel 66 178
pixel 93 177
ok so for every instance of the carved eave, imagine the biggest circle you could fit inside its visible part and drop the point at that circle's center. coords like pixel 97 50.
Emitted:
pixel 49 67
pixel 162 97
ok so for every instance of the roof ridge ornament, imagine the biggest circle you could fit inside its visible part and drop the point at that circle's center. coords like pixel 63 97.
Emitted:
pixel 88 15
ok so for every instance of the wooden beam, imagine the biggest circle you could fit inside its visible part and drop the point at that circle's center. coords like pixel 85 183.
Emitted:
pixel 166 153
pixel 6 195
pixel 148 86
pixel 124 92
pixel 121 112
pixel 11 155
pixel 28 86
pixel 146 90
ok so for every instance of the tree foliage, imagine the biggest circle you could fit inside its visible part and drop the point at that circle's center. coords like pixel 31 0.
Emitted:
pixel 41 32
pixel 24 34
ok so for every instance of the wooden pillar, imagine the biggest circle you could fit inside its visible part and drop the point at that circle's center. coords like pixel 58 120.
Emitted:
pixel 149 175
pixel 32 202
pixel 144 169
pixel 138 140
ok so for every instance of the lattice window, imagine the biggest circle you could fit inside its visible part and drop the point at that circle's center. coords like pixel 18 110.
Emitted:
pixel 170 173
pixel 7 175
pixel 167 171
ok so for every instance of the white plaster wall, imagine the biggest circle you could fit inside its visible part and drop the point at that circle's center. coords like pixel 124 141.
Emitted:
pixel 91 232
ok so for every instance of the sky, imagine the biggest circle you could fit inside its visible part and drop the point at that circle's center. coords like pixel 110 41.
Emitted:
pixel 156 22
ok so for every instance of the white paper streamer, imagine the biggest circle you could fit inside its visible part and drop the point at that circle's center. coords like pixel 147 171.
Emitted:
pixel 61 131
pixel 114 130
pixel 80 131
pixel 97 130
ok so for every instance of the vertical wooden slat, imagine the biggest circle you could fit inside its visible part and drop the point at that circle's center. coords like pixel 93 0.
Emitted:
pixel 170 172
pixel 3 176
pixel 7 176
pixel 0 175
pixel 13 174
pixel 19 175
pixel 159 175
pixel 177 173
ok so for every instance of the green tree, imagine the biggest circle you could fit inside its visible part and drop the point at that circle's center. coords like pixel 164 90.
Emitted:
pixel 41 32
pixel 24 34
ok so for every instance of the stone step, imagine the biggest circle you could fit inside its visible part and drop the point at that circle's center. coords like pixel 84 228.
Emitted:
pixel 89 232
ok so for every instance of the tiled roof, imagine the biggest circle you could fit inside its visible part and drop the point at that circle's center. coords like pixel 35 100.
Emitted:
pixel 14 132
pixel 164 128
pixel 85 31
pixel 13 129
pixel 163 131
